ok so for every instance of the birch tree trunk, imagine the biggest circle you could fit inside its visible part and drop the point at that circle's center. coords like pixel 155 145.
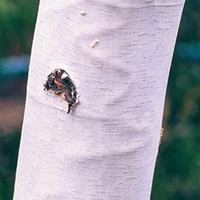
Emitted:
pixel 118 54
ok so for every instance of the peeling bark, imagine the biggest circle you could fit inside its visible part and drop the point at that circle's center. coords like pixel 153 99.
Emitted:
pixel 107 147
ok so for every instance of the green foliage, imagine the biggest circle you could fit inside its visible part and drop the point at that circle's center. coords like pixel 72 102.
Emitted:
pixel 8 160
pixel 177 175
pixel 190 25
pixel 17 19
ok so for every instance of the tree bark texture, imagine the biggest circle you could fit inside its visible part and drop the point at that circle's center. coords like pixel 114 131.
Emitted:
pixel 118 54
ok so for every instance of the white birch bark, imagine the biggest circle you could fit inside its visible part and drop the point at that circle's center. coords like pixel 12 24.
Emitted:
pixel 106 148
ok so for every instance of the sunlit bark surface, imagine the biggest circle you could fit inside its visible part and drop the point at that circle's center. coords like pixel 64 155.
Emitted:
pixel 118 54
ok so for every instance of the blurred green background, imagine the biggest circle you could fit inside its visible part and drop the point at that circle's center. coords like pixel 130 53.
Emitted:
pixel 177 174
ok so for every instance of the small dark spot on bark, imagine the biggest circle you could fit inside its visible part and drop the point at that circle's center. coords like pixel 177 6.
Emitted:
pixel 59 82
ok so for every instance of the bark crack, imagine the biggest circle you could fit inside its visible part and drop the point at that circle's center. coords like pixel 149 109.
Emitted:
pixel 59 82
